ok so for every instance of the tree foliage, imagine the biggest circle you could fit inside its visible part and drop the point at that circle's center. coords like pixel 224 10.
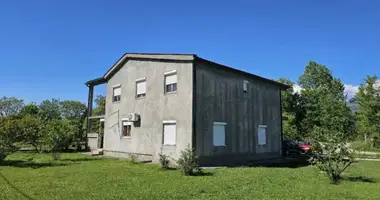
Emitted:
pixel 30 110
pixel 10 106
pixel 31 131
pixel 100 105
pixel 50 109
pixel 59 134
pixel 368 115
pixel 322 102
pixel 289 110
pixel 10 133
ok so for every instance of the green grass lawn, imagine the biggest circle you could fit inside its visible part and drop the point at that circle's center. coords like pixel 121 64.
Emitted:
pixel 81 177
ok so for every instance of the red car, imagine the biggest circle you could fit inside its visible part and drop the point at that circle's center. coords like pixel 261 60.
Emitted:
pixel 295 147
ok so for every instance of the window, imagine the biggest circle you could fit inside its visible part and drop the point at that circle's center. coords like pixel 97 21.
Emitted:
pixel 170 81
pixel 170 133
pixel 245 87
pixel 116 93
pixel 262 135
pixel 140 88
pixel 219 133
pixel 127 126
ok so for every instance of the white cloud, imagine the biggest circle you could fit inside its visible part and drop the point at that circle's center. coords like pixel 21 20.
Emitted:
pixel 350 90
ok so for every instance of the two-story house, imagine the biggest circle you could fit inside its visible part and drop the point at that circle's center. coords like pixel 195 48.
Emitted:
pixel 163 103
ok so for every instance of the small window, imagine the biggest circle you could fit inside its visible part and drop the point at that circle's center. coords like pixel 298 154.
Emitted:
pixel 116 93
pixel 127 126
pixel 170 82
pixel 170 133
pixel 219 133
pixel 140 88
pixel 245 87
pixel 262 135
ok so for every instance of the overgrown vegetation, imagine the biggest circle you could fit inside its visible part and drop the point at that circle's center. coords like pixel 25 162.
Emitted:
pixel 188 162
pixel 164 161
pixel 52 126
pixel 133 158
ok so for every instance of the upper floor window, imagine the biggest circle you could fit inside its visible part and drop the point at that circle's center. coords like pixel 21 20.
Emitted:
pixel 245 87
pixel 171 81
pixel 116 96
pixel 140 88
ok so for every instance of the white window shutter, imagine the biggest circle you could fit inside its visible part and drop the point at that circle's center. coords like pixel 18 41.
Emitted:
pixel 170 79
pixel 141 87
pixel 117 91
pixel 170 134
pixel 219 134
pixel 262 135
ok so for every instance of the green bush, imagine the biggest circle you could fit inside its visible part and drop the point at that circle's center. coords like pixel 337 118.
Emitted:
pixel 188 162
pixel 164 161
pixel 133 158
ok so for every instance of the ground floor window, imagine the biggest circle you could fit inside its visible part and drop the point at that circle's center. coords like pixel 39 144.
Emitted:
pixel 127 126
pixel 219 133
pixel 262 134
pixel 169 133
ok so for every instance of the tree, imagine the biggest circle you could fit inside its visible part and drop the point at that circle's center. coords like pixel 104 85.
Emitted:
pixel 72 110
pixel 31 130
pixel 289 110
pixel 322 102
pixel 10 132
pixel 75 112
pixel 50 109
pixel 100 102
pixel 368 115
pixel 30 110
pixel 10 106
pixel 59 135
pixel 330 153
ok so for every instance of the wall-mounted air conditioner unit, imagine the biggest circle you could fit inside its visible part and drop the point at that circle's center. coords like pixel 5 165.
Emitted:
pixel 133 117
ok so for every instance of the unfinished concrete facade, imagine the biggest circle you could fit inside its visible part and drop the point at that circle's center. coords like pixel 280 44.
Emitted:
pixel 180 100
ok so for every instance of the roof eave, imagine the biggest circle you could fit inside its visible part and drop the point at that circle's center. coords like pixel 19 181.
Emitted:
pixel 281 85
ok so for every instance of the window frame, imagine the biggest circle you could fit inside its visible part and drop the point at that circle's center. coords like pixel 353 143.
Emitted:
pixel 258 135
pixel 143 95
pixel 124 125
pixel 224 124
pixel 118 86
pixel 171 85
pixel 169 122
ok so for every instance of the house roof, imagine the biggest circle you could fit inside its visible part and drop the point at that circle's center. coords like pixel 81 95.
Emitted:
pixel 171 57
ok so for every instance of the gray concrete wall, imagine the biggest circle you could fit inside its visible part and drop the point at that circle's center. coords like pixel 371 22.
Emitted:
pixel 154 108
pixel 220 98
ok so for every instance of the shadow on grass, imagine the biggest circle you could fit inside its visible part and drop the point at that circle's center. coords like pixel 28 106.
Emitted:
pixel 203 173
pixel 360 179
pixel 282 162
pixel 79 159
pixel 15 188
pixel 30 164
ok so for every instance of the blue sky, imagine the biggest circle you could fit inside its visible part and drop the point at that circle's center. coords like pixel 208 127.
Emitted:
pixel 50 48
